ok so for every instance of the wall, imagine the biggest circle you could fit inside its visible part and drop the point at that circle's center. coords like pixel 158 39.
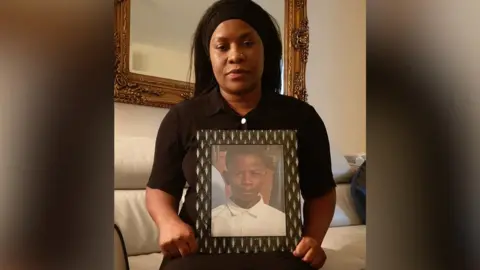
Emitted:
pixel 336 70
pixel 335 77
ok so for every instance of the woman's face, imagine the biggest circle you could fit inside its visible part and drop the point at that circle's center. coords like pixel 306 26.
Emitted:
pixel 237 56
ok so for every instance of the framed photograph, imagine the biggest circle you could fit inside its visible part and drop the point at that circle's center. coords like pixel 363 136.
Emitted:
pixel 248 192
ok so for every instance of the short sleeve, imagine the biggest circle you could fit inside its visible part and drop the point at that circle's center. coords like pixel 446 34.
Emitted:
pixel 167 174
pixel 315 165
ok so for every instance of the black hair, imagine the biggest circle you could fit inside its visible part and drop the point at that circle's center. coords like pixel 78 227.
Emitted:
pixel 254 150
pixel 250 12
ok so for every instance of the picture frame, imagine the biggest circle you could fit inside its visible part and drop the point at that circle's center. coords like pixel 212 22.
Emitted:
pixel 209 239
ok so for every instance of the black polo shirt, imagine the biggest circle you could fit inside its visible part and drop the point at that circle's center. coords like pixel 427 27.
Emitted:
pixel 175 151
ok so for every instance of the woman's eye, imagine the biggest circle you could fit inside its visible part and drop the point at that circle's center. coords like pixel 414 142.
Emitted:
pixel 248 43
pixel 221 47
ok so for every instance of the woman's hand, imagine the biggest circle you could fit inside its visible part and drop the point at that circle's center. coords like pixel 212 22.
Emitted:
pixel 311 252
pixel 177 239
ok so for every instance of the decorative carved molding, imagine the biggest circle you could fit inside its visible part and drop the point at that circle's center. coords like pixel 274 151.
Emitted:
pixel 154 91
pixel 299 90
pixel 300 3
pixel 301 39
pixel 298 48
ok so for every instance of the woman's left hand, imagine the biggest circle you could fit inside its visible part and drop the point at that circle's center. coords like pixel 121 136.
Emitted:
pixel 311 252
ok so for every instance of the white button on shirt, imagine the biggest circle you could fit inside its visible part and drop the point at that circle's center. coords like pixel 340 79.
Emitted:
pixel 243 121
pixel 261 220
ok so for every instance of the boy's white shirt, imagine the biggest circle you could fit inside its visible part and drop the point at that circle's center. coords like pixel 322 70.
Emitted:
pixel 260 220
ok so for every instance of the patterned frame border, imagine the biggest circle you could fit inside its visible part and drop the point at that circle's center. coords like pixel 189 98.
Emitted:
pixel 216 245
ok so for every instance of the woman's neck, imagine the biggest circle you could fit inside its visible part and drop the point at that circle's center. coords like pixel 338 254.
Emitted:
pixel 242 103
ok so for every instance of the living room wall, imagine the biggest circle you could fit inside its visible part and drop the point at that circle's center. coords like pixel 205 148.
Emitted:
pixel 335 78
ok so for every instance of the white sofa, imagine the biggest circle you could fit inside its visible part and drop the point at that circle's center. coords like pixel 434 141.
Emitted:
pixel 136 236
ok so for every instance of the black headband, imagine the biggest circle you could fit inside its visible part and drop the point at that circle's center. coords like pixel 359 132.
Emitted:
pixel 245 10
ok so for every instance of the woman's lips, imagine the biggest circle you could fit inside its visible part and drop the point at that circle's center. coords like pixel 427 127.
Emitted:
pixel 237 75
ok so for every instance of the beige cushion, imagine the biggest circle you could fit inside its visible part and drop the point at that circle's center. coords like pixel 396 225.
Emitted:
pixel 120 261
pixel 339 238
pixel 345 248
pixel 138 229
pixel 146 262
pixel 133 161
pixel 341 169
pixel 345 211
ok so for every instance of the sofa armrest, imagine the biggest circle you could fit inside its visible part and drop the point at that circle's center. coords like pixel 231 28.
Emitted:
pixel 119 250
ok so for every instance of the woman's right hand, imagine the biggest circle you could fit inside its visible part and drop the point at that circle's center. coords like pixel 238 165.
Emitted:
pixel 177 239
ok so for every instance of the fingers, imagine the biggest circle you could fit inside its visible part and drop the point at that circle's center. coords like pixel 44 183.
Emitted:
pixel 320 260
pixel 309 256
pixel 302 248
pixel 176 248
pixel 177 241
pixel 310 252
pixel 169 250
pixel 188 243
pixel 192 243
pixel 182 247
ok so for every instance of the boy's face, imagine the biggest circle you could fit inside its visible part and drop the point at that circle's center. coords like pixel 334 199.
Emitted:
pixel 246 176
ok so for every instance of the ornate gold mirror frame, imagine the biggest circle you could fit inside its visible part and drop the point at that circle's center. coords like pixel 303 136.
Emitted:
pixel 148 90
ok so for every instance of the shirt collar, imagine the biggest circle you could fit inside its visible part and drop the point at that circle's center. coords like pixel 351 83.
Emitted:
pixel 254 211
pixel 216 103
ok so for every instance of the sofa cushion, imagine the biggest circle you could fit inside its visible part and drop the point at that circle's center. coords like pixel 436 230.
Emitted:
pixel 341 169
pixel 133 161
pixel 138 229
pixel 345 212
pixel 120 253
pixel 345 248
pixel 146 262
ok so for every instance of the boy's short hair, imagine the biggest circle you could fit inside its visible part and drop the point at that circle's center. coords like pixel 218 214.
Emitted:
pixel 256 150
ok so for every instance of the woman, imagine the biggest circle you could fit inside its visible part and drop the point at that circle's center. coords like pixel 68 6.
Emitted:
pixel 237 52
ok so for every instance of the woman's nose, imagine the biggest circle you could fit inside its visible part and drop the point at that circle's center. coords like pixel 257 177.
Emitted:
pixel 236 56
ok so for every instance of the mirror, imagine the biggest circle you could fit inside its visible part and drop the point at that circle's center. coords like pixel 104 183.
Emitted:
pixel 153 39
